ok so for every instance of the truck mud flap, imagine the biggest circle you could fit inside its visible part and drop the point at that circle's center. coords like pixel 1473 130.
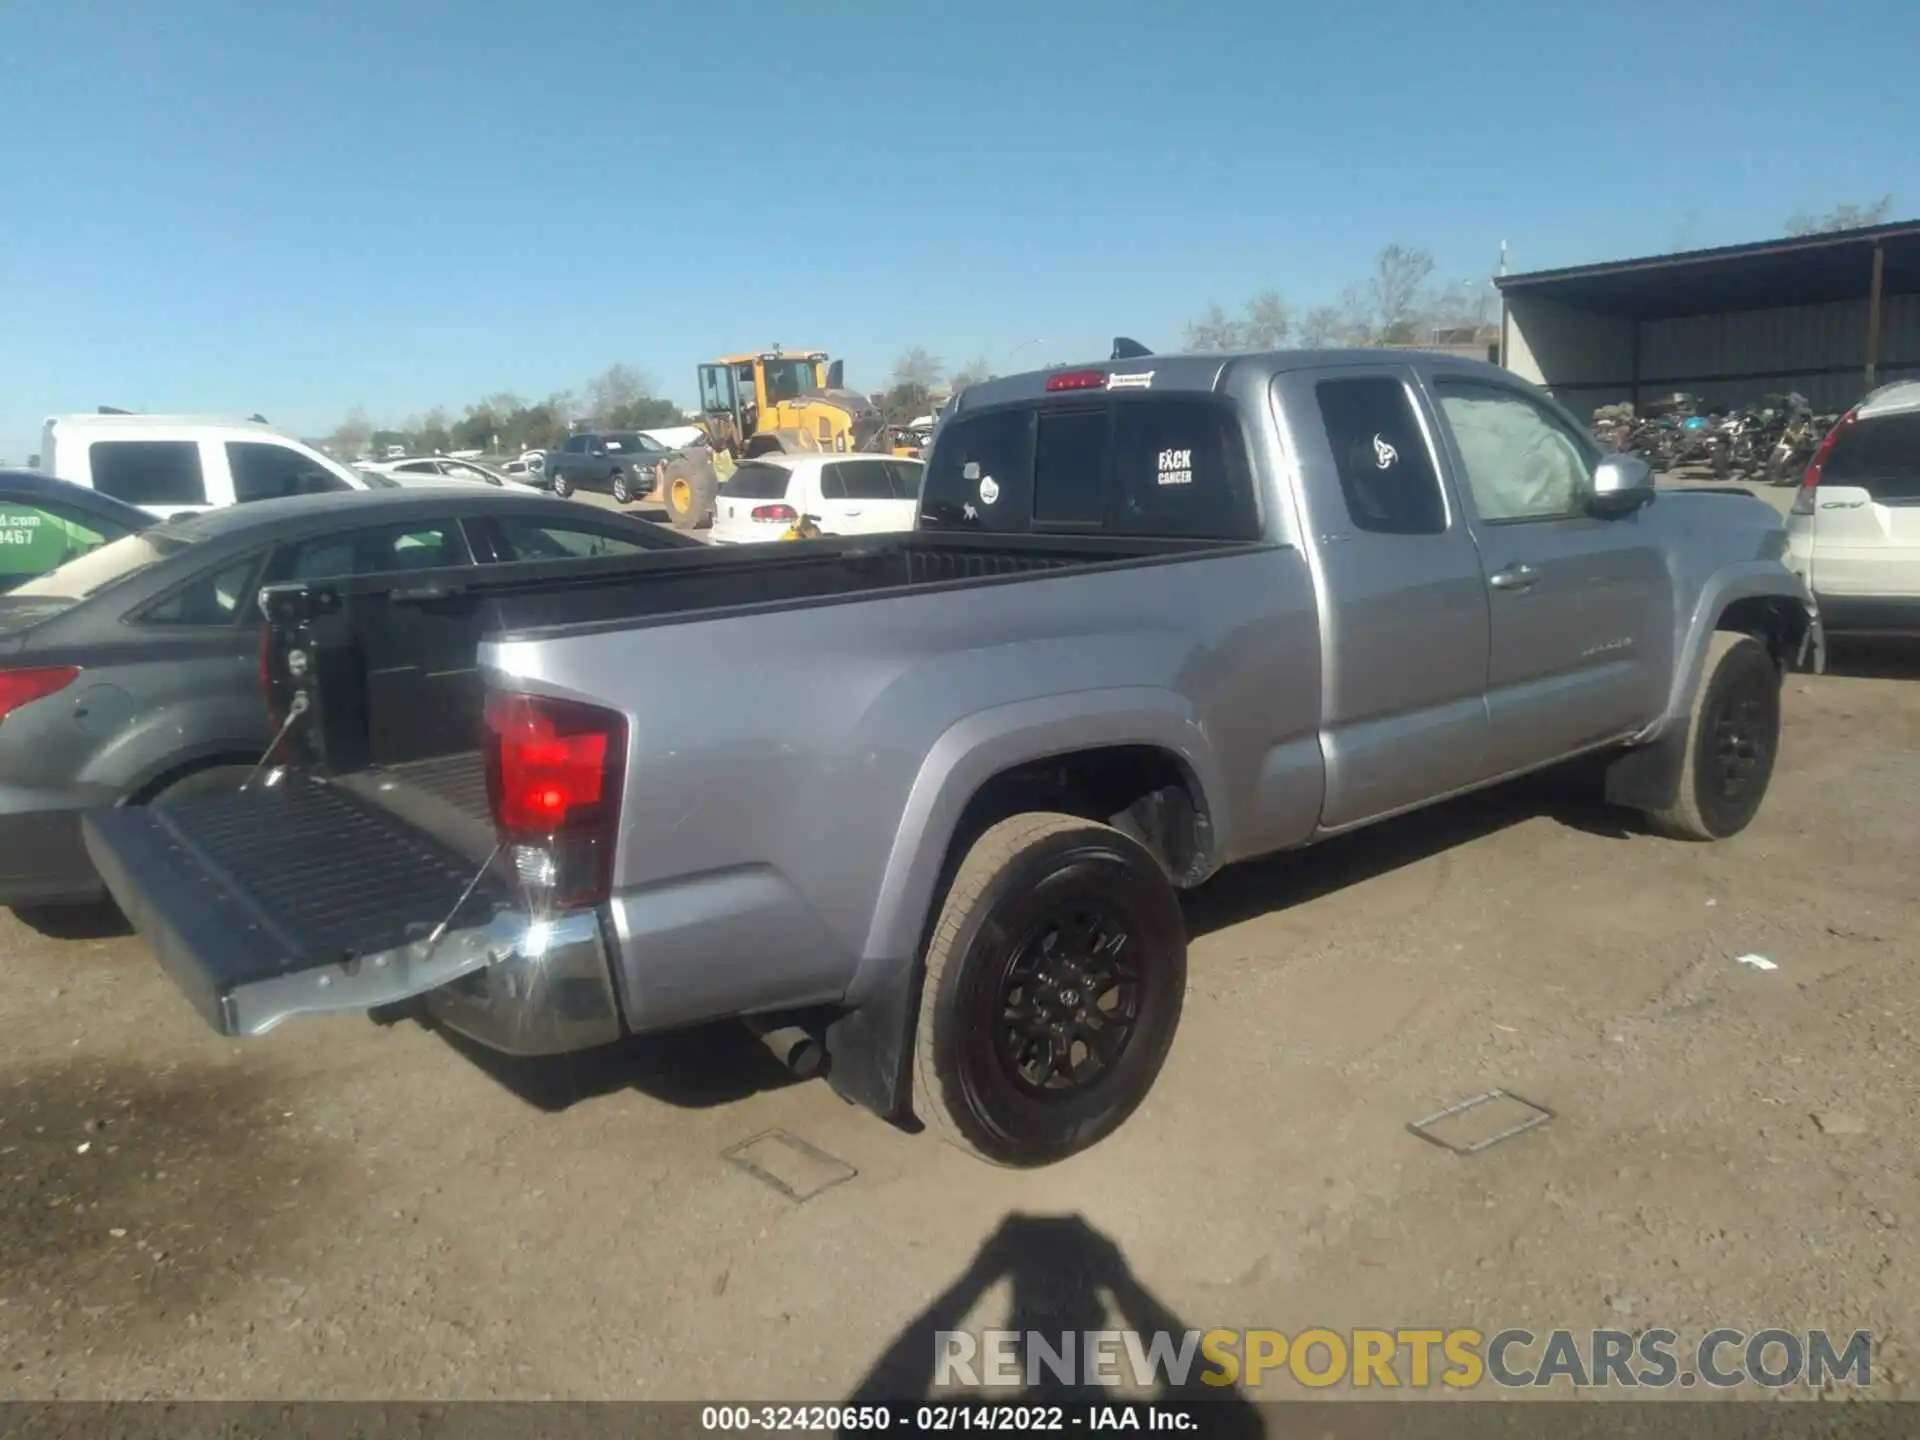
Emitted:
pixel 296 897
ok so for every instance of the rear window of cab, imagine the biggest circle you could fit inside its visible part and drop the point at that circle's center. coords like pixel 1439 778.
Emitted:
pixel 1161 466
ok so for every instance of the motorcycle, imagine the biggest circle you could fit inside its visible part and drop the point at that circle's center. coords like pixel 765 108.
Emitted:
pixel 1612 427
pixel 1735 444
pixel 1798 438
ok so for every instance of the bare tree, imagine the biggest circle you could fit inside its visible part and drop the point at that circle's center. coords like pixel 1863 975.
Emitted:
pixel 1269 322
pixel 1841 217
pixel 1322 327
pixel 1214 331
pixel 972 373
pixel 1463 304
pixel 353 435
pixel 918 368
pixel 1355 309
pixel 1397 294
pixel 614 391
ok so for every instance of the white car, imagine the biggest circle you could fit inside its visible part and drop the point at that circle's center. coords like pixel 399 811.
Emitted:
pixel 178 464
pixel 845 494
pixel 442 469
pixel 1853 534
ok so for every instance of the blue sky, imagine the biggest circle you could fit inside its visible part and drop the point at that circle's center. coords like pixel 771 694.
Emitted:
pixel 235 207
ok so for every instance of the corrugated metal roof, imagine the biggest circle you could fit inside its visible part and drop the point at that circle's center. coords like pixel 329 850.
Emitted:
pixel 1796 270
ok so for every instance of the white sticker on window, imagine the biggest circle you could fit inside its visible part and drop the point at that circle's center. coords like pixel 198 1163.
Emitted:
pixel 1176 467
pixel 1384 454
pixel 989 490
pixel 1139 380
pixel 971 471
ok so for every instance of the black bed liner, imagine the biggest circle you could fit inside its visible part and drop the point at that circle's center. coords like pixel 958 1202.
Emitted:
pixel 390 662
pixel 242 889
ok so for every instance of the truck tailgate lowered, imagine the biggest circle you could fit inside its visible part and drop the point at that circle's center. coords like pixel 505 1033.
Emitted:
pixel 294 897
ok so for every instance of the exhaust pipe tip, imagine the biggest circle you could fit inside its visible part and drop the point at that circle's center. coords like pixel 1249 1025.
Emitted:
pixel 799 1050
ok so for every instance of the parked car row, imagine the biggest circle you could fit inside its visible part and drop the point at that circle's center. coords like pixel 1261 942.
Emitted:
pixel 438 469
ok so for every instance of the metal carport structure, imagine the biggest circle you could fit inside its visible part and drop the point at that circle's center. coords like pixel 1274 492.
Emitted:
pixel 1829 316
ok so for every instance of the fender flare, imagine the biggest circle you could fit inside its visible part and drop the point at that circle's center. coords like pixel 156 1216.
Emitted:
pixel 1647 776
pixel 870 1044
pixel 1747 580
pixel 975 749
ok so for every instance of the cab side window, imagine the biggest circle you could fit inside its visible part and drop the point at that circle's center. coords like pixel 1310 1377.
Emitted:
pixel 1387 475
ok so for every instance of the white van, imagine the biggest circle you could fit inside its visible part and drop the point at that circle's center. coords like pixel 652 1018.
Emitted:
pixel 177 464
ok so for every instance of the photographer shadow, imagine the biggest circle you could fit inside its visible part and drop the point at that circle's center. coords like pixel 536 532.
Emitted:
pixel 1067 1279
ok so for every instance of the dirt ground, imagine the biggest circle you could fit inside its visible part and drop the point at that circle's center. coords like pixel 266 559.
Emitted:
pixel 341 1210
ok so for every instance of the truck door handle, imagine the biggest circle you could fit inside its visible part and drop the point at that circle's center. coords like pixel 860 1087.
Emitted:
pixel 1514 577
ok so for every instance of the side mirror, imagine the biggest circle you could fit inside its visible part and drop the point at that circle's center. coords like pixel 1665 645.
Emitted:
pixel 1621 484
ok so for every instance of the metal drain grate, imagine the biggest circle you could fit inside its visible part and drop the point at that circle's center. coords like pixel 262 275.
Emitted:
pixel 1481 1122
pixel 789 1164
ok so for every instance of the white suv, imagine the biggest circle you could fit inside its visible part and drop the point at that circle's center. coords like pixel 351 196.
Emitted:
pixel 177 464
pixel 1853 534
pixel 847 494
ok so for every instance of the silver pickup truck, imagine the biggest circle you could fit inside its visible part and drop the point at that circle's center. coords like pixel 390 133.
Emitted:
pixel 918 807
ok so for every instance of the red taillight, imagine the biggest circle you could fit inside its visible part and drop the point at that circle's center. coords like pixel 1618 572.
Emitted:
pixel 552 759
pixel 783 514
pixel 1077 380
pixel 555 769
pixel 23 687
pixel 1826 448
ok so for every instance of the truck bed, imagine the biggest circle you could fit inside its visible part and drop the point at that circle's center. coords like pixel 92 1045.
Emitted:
pixel 364 866
pixel 394 675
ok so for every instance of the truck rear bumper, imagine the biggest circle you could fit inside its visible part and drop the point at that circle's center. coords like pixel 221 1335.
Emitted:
pixel 302 899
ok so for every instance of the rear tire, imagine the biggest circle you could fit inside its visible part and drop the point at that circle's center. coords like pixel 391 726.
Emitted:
pixel 1054 983
pixel 1733 740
